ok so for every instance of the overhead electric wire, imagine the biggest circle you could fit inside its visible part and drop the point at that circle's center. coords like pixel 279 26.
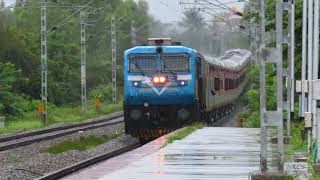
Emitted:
pixel 215 5
pixel 61 23
pixel 216 14
pixel 223 4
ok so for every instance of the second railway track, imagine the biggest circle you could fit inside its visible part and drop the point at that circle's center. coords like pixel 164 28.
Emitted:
pixel 23 139
pixel 86 163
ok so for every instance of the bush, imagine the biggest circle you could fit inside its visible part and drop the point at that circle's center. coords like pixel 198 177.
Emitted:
pixel 253 121
pixel 103 92
pixel 10 102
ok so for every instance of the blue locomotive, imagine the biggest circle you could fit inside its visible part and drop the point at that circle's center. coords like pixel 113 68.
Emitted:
pixel 167 86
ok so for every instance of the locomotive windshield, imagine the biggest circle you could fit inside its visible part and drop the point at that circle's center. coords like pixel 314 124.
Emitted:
pixel 175 62
pixel 142 63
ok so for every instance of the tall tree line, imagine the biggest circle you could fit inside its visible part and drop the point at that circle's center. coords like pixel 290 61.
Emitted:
pixel 20 50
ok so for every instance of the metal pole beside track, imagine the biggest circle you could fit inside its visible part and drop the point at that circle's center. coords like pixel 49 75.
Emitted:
pixel 279 63
pixel 310 54
pixel 303 107
pixel 290 69
pixel 133 34
pixel 114 59
pixel 83 61
pixel 316 71
pixel 263 126
pixel 44 66
pixel 292 52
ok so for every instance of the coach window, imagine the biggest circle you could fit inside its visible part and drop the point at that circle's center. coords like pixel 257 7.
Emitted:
pixel 231 84
pixel 227 84
pixel 216 84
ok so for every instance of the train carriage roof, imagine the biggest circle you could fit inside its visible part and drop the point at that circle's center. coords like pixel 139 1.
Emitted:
pixel 232 59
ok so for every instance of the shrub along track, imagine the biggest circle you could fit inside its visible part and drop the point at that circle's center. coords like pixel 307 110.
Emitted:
pixel 23 139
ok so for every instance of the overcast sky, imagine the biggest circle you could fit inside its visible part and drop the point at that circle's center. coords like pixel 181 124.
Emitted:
pixel 170 10
pixel 166 10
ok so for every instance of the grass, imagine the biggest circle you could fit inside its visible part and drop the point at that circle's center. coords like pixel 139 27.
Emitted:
pixel 66 114
pixel 83 144
pixel 298 142
pixel 185 132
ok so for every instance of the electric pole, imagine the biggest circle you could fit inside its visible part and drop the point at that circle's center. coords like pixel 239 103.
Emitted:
pixel 310 54
pixel 133 34
pixel 316 110
pixel 263 125
pixel 274 55
pixel 83 61
pixel 44 85
pixel 290 69
pixel 114 59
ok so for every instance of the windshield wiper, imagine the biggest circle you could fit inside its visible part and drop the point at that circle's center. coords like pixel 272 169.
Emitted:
pixel 139 68
pixel 170 71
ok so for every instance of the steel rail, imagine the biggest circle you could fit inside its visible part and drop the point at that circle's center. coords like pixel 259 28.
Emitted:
pixel 86 163
pixel 11 142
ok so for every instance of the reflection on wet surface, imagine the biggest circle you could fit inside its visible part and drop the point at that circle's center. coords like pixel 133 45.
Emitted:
pixel 211 153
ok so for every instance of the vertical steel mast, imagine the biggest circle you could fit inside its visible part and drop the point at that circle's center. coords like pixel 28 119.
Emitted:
pixel 133 33
pixel 263 126
pixel 114 60
pixel 44 84
pixel 83 61
pixel 315 65
pixel 290 70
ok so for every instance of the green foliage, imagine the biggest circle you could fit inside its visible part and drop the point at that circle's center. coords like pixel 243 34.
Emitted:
pixel 66 114
pixel 298 139
pixel 252 119
pixel 20 59
pixel 83 144
pixel 101 92
pixel 184 133
pixel 193 20
pixel 10 101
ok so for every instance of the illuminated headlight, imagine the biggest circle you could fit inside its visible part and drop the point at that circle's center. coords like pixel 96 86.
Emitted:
pixel 182 83
pixel 146 104
pixel 136 83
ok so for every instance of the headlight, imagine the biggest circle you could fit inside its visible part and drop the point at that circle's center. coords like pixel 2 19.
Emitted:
pixel 146 104
pixel 136 83
pixel 182 83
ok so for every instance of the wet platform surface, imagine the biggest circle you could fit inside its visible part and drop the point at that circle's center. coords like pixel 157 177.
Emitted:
pixel 210 153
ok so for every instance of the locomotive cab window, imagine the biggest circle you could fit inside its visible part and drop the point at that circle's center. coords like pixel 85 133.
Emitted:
pixel 142 63
pixel 175 62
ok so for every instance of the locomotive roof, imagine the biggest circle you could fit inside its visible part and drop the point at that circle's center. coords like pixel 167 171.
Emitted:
pixel 152 49
pixel 233 59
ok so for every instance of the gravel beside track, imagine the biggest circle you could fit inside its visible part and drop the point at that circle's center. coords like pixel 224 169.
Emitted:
pixel 56 127
pixel 6 145
pixel 31 162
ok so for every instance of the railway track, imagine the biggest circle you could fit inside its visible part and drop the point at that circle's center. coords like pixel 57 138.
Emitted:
pixel 81 165
pixel 23 139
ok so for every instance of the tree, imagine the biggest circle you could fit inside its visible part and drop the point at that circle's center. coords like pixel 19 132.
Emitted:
pixel 2 5
pixel 8 99
pixel 20 46
pixel 193 20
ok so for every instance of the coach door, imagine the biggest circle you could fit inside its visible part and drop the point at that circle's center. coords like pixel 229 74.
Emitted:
pixel 199 78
